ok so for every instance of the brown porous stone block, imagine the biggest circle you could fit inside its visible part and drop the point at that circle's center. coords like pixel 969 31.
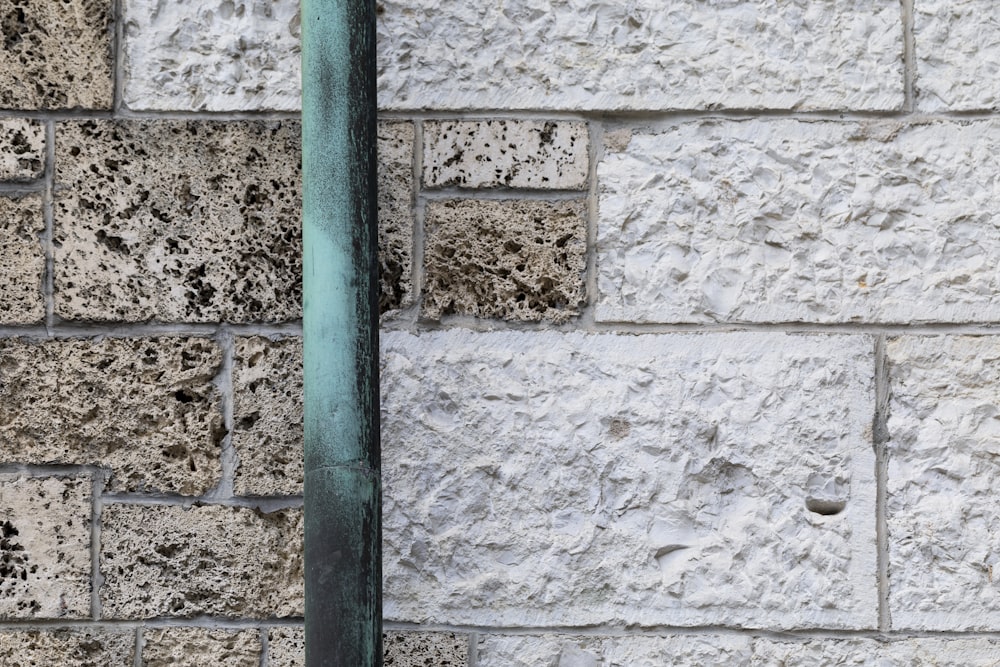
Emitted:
pixel 22 260
pixel 200 647
pixel 513 260
pixel 67 648
pixel 44 547
pixel 286 647
pixel 395 214
pixel 267 416
pixel 212 560
pixel 416 649
pixel 56 55
pixel 22 149
pixel 147 409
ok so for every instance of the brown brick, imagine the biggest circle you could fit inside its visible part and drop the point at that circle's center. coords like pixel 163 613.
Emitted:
pixel 200 647
pixel 67 648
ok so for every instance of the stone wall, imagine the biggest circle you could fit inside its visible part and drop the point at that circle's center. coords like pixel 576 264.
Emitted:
pixel 689 322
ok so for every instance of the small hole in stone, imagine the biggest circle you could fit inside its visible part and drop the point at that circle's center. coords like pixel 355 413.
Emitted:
pixel 825 507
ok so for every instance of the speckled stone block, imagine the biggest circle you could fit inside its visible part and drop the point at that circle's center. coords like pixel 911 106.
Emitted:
pixel 631 475
pixel 216 55
pixel 211 560
pixel 22 149
pixel 56 55
pixel 514 260
pixel 417 649
pixel 67 648
pixel 200 647
pixel 944 485
pixel 690 54
pixel 22 260
pixel 395 214
pixel 178 221
pixel 506 153
pixel 147 409
pixel 957 45
pixel 776 220
pixel 286 647
pixel 634 651
pixel 44 547
pixel 267 416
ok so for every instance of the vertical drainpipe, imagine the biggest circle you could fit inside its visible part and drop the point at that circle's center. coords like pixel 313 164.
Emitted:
pixel 343 569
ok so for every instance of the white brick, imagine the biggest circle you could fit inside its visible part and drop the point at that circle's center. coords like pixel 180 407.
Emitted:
pixel 649 479
pixel 785 220
pixel 634 651
pixel 972 652
pixel 944 483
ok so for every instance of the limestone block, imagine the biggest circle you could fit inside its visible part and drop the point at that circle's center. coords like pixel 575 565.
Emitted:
pixel 506 153
pixel 44 547
pixel 216 55
pixel 676 479
pixel 395 214
pixel 22 260
pixel 634 651
pixel 67 648
pixel 972 652
pixel 604 54
pixel 267 416
pixel 212 560
pixel 56 55
pixel 147 409
pixel 514 260
pixel 957 44
pixel 200 647
pixel 22 149
pixel 784 220
pixel 416 649
pixel 286 647
pixel 944 486
pixel 178 221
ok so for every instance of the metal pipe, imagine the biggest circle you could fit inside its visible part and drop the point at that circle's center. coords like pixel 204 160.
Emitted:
pixel 343 569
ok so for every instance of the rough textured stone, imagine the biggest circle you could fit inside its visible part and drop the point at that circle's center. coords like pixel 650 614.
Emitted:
pixel 784 220
pixel 286 647
pixel 516 260
pixel 22 260
pixel 22 149
pixel 977 652
pixel 200 647
pixel 267 416
pixel 44 547
pixel 416 649
pixel 606 54
pixel 147 409
pixel 56 55
pixel 214 560
pixel 634 651
pixel 671 479
pixel 215 55
pixel 506 153
pixel 957 44
pixel 395 214
pixel 67 648
pixel 178 221
pixel 944 485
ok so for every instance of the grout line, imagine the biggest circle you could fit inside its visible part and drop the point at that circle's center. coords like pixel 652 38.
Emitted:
pixel 140 644
pixel 595 152
pixel 118 58
pixel 63 329
pixel 98 482
pixel 14 189
pixel 228 458
pixel 207 622
pixel 502 194
pixel 909 57
pixel 419 207
pixel 880 439
pixel 473 658
pixel 265 647
pixel 265 504
pixel 48 237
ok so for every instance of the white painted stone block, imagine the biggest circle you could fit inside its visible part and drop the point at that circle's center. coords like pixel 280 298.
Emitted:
pixel 660 479
pixel 798 221
pixel 633 651
pixel 944 483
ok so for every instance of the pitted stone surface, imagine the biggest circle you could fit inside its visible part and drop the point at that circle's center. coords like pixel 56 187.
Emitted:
pixel 506 153
pixel 944 485
pixel 22 260
pixel 56 55
pixel 395 214
pixel 267 416
pixel 634 651
pixel 216 55
pixel 44 547
pixel 178 221
pixel 22 149
pixel 514 260
pixel 200 647
pixel 286 647
pixel 634 473
pixel 208 560
pixel 67 648
pixel 957 44
pixel 529 54
pixel 784 220
pixel 416 649
pixel 147 409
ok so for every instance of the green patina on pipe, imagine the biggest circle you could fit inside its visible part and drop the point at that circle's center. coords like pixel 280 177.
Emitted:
pixel 343 610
